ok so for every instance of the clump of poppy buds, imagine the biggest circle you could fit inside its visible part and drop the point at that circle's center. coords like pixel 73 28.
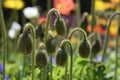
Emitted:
pixel 60 26
pixel 61 56
pixel 84 48
pixel 50 45
pixel 96 47
pixel 25 41
pixel 41 58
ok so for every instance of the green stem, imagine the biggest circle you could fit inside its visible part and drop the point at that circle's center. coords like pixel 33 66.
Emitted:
pixel 116 51
pixel 43 73
pixel 4 38
pixel 48 4
pixel 93 14
pixel 107 35
pixel 71 55
pixel 33 49
pixel 50 66
pixel 78 12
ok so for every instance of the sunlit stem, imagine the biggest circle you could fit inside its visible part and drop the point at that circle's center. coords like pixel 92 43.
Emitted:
pixel 64 42
pixel 4 38
pixel 29 25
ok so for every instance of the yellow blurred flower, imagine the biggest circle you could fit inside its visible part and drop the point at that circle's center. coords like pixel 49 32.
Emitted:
pixel 74 40
pixel 99 5
pixel 14 4
pixel 54 33
pixel 114 28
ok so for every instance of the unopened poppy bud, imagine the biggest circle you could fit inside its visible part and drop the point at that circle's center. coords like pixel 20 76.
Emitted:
pixel 84 48
pixel 60 26
pixel 25 43
pixel 41 58
pixel 50 45
pixel 61 57
pixel 96 47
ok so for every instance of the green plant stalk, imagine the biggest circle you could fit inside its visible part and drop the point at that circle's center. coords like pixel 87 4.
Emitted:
pixel 78 12
pixel 4 38
pixel 48 4
pixel 71 55
pixel 107 35
pixel 93 15
pixel 77 29
pixel 50 66
pixel 116 51
pixel 53 10
pixel 66 70
pixel 33 49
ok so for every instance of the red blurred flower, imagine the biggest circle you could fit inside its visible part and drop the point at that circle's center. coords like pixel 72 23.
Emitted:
pixel 64 6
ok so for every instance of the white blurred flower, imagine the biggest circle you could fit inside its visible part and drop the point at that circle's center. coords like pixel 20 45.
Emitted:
pixel 31 12
pixel 15 28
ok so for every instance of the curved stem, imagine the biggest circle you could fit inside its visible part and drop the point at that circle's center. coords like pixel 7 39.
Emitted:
pixel 4 38
pixel 53 10
pixel 71 55
pixel 77 29
pixel 107 35
pixel 33 49
pixel 48 20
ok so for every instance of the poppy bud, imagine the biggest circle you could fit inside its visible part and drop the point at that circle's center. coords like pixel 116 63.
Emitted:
pixel 60 26
pixel 41 58
pixel 84 48
pixel 96 47
pixel 61 57
pixel 39 32
pixel 25 43
pixel 50 45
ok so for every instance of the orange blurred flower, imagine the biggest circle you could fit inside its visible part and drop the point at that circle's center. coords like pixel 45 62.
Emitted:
pixel 42 19
pixel 64 6
pixel 97 29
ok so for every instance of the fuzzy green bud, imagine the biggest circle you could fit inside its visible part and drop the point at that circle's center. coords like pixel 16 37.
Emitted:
pixel 84 48
pixel 60 26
